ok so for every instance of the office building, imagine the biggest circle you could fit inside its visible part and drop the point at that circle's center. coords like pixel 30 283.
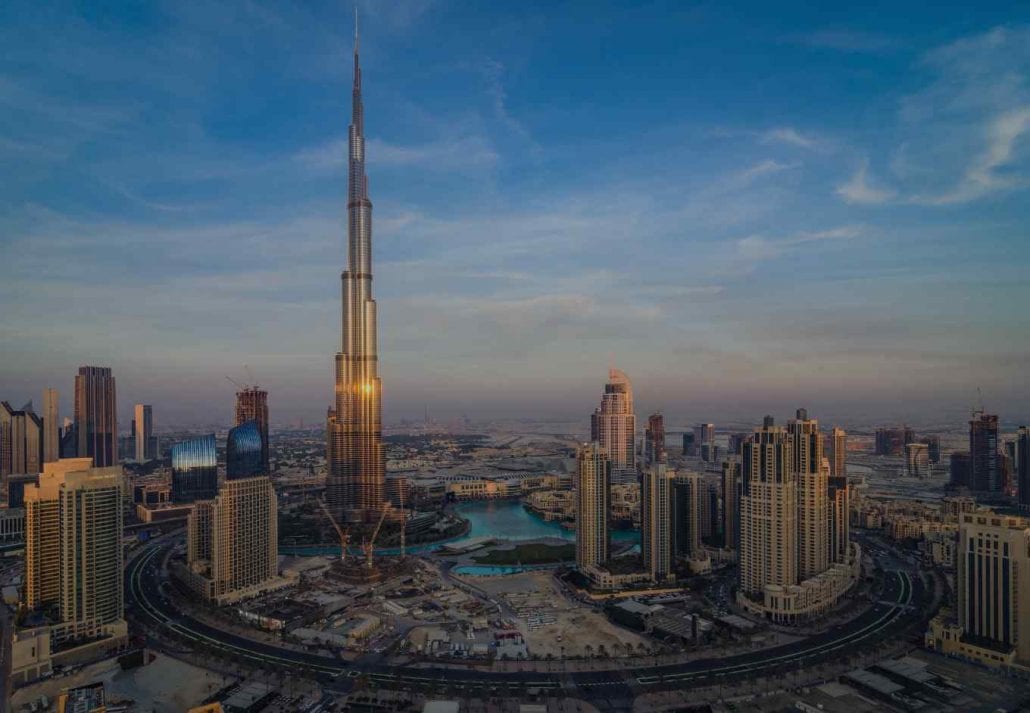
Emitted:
pixel 959 469
pixel 96 415
pixel 984 471
pixel 73 548
pixel 686 515
pixel 143 432
pixel 838 452
pixel 21 438
pixel 768 511
pixel 194 469
pixel 736 443
pixel 840 531
pixel 232 546
pixel 1023 468
pixel 51 427
pixel 892 441
pixel 244 452
pixel 654 440
pixel 994 582
pixel 689 446
pixel 806 449
pixel 252 405
pixel 731 501
pixel 933 448
pixel 704 442
pixel 593 505
pixel 613 426
pixel 356 479
pixel 69 438
pixel 656 521
pixel 917 460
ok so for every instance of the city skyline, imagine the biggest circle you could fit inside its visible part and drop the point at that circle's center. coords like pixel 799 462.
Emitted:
pixel 663 208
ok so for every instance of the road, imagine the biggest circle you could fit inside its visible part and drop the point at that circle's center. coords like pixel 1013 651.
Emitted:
pixel 902 603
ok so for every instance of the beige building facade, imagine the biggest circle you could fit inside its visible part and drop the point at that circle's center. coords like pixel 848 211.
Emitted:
pixel 593 505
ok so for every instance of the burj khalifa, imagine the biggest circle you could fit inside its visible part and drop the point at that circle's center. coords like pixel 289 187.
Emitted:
pixel 354 448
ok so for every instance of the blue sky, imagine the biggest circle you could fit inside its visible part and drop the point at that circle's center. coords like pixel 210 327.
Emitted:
pixel 747 207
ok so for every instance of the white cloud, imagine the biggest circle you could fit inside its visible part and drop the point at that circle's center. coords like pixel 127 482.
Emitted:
pixel 762 168
pixel 461 152
pixel 857 189
pixel 788 135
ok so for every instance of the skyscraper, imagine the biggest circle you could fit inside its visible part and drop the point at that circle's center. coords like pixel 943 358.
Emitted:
pixel 252 405
pixel 73 548
pixel 838 452
pixel 613 425
pixel 232 540
pixel 1023 468
pixel 768 511
pixel 984 473
pixel 654 440
pixel 686 515
pixel 96 415
pixel 704 441
pixel 51 441
pixel 593 505
pixel 917 460
pixel 813 514
pixel 356 479
pixel 840 529
pixel 146 445
pixel 194 469
pixel 6 454
pixel 959 469
pixel 730 501
pixel 994 582
pixel 21 440
pixel 243 451
pixel 656 521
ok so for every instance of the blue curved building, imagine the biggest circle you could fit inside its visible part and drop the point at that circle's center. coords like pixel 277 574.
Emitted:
pixel 195 469
pixel 244 452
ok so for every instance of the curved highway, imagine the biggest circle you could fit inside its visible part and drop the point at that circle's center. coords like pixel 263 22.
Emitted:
pixel 902 603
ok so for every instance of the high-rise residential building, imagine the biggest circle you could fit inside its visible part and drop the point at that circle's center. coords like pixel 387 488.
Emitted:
pixel 21 440
pixel 656 521
pixel 994 582
pixel 768 511
pixel 243 452
pixel 917 460
pixel 704 442
pixel 96 415
pixel 984 473
pixel 613 425
pixel 593 505
pixel 252 405
pixel 654 440
pixel 356 479
pixel 838 452
pixel 959 469
pixel 840 530
pixel 686 515
pixel 232 546
pixel 813 507
pixel 194 469
pixel 1023 468
pixel 73 548
pixel 51 426
pixel 143 432
pixel 731 501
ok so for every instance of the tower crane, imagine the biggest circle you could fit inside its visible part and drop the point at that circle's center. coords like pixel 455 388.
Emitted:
pixel 343 534
pixel 371 542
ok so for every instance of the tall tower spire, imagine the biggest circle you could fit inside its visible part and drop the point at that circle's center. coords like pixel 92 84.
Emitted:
pixel 354 448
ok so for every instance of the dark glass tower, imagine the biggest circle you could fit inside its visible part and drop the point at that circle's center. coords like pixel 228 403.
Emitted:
pixel 252 405
pixel 354 449
pixel 96 416
pixel 984 470
pixel 194 469
pixel 243 452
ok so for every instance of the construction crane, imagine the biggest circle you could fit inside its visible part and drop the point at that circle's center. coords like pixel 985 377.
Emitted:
pixel 371 542
pixel 237 384
pixel 344 535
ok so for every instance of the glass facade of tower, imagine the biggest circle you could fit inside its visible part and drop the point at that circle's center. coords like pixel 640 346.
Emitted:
pixel 244 450
pixel 194 469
